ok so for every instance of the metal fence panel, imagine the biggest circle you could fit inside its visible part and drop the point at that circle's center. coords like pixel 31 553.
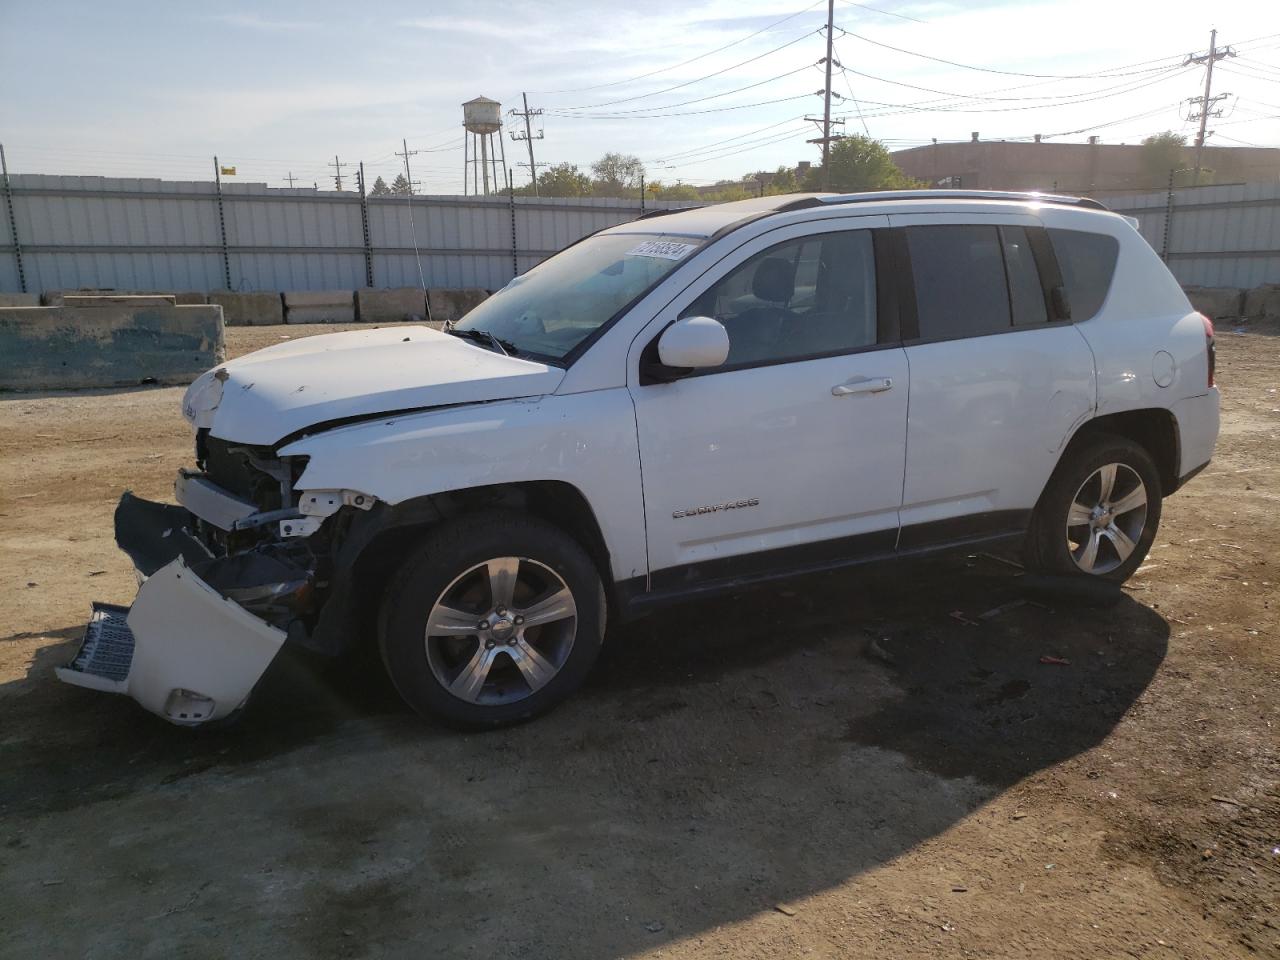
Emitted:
pixel 146 234
pixel 1223 235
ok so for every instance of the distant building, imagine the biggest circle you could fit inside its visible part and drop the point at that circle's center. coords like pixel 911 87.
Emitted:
pixel 1069 167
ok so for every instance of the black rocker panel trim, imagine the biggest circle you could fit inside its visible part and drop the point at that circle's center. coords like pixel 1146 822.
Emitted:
pixel 710 577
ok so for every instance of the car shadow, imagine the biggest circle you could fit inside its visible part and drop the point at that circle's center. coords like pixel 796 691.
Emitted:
pixel 725 756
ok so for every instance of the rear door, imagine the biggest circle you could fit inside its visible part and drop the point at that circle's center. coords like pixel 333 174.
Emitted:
pixel 999 380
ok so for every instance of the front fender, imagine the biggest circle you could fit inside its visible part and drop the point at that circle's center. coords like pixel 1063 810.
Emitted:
pixel 587 440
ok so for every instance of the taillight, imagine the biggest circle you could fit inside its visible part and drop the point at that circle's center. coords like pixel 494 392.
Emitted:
pixel 1210 350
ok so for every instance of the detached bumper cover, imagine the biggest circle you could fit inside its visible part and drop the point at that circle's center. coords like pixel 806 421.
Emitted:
pixel 184 651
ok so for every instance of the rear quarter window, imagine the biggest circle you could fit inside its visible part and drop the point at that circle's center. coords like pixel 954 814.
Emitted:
pixel 1088 263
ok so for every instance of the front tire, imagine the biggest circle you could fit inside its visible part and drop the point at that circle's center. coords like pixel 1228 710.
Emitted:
pixel 1099 514
pixel 496 618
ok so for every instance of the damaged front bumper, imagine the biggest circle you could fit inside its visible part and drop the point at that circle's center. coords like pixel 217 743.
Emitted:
pixel 189 649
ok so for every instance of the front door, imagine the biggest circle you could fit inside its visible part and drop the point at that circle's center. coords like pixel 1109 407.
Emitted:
pixel 791 453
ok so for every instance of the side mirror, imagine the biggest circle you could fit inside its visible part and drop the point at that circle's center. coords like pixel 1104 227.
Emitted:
pixel 693 343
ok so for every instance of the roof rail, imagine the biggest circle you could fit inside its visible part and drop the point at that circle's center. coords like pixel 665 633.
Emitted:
pixel 872 197
pixel 665 211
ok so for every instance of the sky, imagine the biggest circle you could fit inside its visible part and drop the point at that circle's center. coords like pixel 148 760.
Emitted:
pixel 700 90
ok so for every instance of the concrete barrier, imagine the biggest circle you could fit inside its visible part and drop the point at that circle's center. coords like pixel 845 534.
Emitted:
pixel 56 298
pixel 1217 303
pixel 117 300
pixel 391 305
pixel 107 345
pixel 1263 303
pixel 249 309
pixel 19 300
pixel 324 306
pixel 447 304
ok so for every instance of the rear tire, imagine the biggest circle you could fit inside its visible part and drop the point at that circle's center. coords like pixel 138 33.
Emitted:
pixel 494 619
pixel 1099 513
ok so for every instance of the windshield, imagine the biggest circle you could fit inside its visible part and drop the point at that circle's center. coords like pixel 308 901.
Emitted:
pixel 562 301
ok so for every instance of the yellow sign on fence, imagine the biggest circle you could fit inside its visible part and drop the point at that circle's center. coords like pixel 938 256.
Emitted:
pixel 228 171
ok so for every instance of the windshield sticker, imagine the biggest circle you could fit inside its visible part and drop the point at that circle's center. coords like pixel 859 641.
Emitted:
pixel 662 249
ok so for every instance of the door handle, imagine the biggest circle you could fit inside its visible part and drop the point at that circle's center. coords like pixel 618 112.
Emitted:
pixel 862 385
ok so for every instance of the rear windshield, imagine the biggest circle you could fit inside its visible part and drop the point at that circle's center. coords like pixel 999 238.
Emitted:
pixel 1087 262
pixel 552 308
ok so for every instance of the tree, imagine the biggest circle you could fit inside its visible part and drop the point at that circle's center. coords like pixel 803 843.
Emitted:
pixel 728 190
pixel 564 180
pixel 783 180
pixel 860 163
pixel 673 191
pixel 616 175
pixel 380 188
pixel 399 186
pixel 1161 153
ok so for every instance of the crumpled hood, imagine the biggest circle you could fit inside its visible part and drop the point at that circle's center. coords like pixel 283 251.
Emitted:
pixel 265 396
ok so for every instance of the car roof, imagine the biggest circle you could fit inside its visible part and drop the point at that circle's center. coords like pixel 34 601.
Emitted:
pixel 716 218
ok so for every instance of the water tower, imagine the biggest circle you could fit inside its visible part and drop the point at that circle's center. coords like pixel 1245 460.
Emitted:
pixel 483 154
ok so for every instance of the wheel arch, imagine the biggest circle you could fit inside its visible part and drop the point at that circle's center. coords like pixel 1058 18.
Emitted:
pixel 374 544
pixel 1155 429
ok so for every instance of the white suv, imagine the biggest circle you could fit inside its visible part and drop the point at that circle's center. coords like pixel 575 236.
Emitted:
pixel 690 402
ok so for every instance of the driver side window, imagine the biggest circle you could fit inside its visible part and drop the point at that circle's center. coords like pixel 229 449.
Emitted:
pixel 810 297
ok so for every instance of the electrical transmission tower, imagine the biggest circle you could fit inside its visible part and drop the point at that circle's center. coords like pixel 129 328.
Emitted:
pixel 528 136
pixel 826 121
pixel 291 178
pixel 337 172
pixel 1205 101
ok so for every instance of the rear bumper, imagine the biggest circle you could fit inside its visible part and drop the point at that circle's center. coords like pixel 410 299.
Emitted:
pixel 1197 419
pixel 184 651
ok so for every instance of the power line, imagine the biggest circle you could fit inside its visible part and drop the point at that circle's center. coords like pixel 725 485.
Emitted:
pixel 685 63
pixel 685 113
pixel 993 99
pixel 687 83
pixel 925 107
pixel 883 13
pixel 741 136
pixel 844 71
pixel 736 150
pixel 1238 72
pixel 727 149
pixel 685 103
pixel 1007 73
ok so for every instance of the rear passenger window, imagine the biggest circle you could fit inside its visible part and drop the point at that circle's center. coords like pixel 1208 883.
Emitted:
pixel 959 280
pixel 1087 262
pixel 1025 291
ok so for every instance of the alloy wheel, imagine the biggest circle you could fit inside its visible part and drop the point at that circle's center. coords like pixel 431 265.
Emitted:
pixel 501 630
pixel 1106 518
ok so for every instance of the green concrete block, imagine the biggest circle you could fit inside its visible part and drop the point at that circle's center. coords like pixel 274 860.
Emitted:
pixel 107 345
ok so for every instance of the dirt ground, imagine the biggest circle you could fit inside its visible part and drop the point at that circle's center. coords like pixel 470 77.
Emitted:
pixel 830 768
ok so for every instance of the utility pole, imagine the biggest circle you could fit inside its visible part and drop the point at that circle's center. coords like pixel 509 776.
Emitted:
pixel 826 121
pixel 826 101
pixel 291 178
pixel 528 136
pixel 413 227
pixel 405 156
pixel 1206 101
pixel 337 172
